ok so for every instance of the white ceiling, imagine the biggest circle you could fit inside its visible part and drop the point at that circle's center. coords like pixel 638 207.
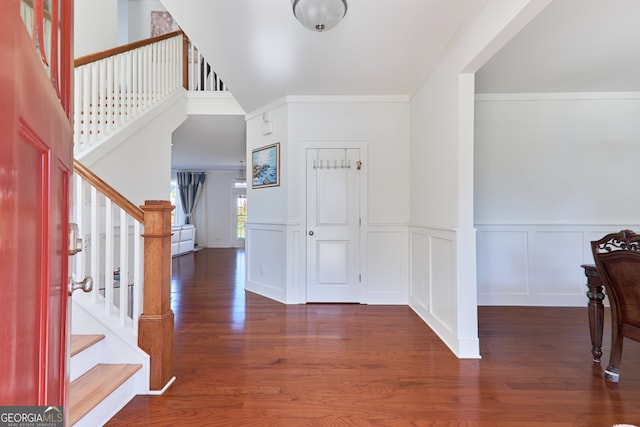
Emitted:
pixel 263 53
pixel 385 47
pixel 209 142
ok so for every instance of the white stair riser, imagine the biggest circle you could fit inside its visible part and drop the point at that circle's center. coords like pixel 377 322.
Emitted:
pixel 110 406
pixel 87 359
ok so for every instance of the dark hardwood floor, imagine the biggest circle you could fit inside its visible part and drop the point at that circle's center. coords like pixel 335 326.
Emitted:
pixel 244 360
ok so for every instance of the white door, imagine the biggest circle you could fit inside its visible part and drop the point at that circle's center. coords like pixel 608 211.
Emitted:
pixel 333 225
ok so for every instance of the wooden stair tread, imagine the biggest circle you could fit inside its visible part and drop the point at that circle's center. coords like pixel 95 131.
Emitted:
pixel 92 387
pixel 82 342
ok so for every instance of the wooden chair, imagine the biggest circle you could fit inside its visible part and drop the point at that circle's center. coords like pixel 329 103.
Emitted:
pixel 617 259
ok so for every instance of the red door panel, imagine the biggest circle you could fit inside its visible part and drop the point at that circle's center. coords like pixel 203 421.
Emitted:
pixel 35 164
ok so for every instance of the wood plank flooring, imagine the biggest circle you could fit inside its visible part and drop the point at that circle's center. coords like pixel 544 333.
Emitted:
pixel 244 360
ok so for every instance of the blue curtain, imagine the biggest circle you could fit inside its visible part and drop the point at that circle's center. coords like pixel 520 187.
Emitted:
pixel 189 186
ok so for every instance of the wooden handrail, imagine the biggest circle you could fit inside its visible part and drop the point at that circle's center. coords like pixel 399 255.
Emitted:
pixel 117 198
pixel 83 60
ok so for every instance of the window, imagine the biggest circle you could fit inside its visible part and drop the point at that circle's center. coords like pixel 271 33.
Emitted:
pixel 241 215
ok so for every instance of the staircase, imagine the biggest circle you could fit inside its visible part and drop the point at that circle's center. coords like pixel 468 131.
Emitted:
pixel 118 345
pixel 106 371
pixel 97 387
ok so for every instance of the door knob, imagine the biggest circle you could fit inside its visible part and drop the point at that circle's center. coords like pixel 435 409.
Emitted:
pixel 310 232
pixel 86 285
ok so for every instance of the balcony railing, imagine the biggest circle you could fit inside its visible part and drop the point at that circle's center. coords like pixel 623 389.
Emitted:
pixel 118 85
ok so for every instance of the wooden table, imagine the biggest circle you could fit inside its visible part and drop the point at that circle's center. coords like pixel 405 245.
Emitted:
pixel 596 309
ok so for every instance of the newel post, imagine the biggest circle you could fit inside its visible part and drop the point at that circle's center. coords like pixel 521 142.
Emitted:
pixel 155 327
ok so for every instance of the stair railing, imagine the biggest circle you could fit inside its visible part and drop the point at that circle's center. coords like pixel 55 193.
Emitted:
pixel 200 75
pixel 111 229
pixel 127 252
pixel 115 86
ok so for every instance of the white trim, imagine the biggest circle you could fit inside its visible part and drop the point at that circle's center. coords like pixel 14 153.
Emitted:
pixel 351 99
pixel 160 392
pixel 556 96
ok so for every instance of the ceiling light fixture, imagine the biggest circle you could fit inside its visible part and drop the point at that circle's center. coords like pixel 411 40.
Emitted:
pixel 319 15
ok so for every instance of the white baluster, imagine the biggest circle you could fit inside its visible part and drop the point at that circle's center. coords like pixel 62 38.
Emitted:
pixel 124 268
pixel 95 272
pixel 93 110
pixel 128 90
pixel 108 257
pixel 110 96
pixel 135 75
pixel 146 72
pixel 101 100
pixel 115 92
pixel 86 103
pixel 80 139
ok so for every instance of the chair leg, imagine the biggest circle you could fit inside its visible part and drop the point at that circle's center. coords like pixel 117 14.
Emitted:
pixel 612 373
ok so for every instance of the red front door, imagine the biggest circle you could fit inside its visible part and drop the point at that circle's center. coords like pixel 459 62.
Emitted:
pixel 35 168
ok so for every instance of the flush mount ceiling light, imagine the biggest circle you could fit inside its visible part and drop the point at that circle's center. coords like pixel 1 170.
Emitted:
pixel 319 15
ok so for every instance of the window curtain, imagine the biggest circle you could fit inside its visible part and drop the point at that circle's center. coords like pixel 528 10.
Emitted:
pixel 189 186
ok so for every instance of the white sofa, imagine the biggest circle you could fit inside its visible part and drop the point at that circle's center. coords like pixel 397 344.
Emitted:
pixel 182 239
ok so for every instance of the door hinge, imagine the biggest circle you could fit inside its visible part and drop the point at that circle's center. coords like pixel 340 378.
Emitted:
pixel 360 222
pixel 360 278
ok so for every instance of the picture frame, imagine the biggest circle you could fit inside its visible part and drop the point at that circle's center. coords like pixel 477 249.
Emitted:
pixel 265 166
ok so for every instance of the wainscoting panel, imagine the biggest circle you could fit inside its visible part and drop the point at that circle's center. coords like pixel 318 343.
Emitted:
pixel 558 256
pixel 537 265
pixel 443 290
pixel 433 287
pixel 502 257
pixel 266 253
pixel 387 265
pixel 419 266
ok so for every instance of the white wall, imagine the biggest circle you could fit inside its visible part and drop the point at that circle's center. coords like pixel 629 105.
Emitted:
pixel 100 25
pixel 442 273
pixel 269 233
pixel 137 160
pixel 123 22
pixel 95 26
pixel 550 177
pixel 278 214
pixel 140 18
pixel 271 205
pixel 556 158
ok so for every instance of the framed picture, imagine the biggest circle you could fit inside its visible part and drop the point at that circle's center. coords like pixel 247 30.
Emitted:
pixel 265 166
